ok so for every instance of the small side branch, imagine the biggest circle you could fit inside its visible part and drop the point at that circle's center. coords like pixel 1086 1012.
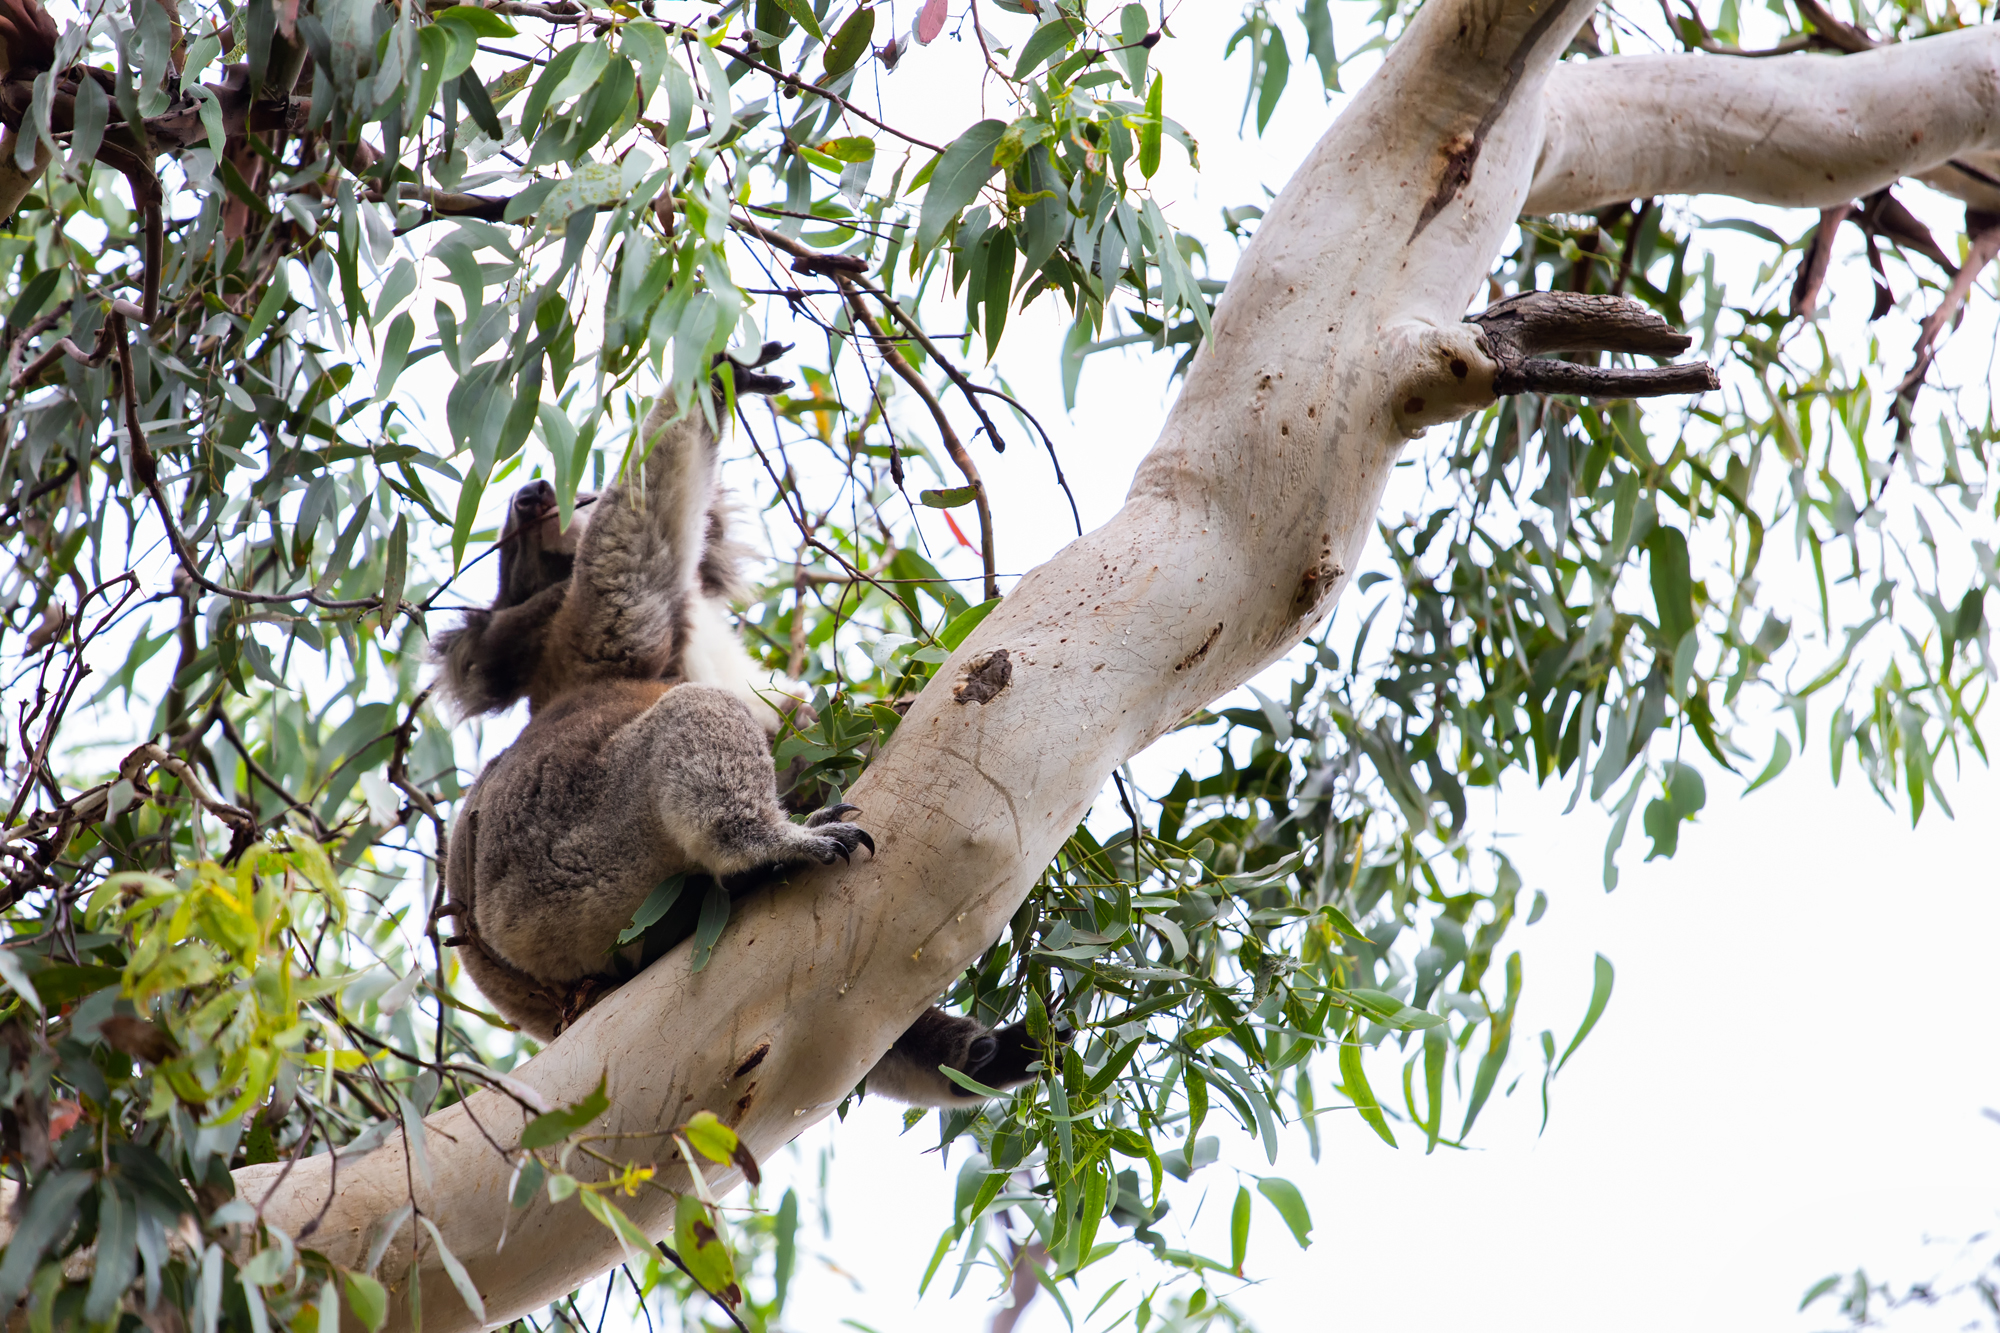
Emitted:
pixel 1523 328
pixel 1446 372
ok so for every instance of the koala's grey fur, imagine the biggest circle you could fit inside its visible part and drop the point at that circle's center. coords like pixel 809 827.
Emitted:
pixel 647 753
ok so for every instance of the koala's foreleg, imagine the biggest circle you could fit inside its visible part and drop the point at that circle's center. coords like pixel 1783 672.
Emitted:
pixel 716 794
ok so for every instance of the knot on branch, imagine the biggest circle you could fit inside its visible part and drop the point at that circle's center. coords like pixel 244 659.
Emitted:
pixel 1523 328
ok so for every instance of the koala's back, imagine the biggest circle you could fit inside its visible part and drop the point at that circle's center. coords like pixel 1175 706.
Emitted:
pixel 557 844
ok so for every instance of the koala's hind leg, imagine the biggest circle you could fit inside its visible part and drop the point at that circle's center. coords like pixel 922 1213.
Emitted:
pixel 716 793
pixel 999 1058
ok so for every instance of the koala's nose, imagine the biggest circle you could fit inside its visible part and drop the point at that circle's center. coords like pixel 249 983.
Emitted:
pixel 534 497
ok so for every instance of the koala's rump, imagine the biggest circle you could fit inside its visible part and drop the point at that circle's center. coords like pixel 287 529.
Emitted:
pixel 566 843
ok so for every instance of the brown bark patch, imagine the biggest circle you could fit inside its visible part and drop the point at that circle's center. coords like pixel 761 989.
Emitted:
pixel 1201 649
pixel 752 1060
pixel 985 678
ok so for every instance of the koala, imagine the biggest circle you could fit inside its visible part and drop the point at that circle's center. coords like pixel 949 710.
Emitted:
pixel 647 752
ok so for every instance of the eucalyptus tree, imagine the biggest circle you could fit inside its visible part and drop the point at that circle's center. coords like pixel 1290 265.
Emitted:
pixel 297 289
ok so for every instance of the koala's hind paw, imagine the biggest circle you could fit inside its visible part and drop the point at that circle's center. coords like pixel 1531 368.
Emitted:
pixel 831 839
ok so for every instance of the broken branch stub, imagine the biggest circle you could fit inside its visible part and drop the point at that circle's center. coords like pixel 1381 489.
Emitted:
pixel 1521 329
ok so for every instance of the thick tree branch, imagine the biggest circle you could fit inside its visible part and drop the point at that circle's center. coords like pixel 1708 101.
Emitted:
pixel 1803 131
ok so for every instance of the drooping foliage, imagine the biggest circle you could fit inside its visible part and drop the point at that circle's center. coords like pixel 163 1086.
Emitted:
pixel 297 290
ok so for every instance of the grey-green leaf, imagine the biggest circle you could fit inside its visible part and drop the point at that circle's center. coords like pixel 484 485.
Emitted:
pixel 964 168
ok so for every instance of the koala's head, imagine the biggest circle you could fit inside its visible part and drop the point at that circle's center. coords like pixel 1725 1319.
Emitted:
pixel 536 550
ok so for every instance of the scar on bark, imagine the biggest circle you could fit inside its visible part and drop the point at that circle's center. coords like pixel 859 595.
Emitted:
pixel 1461 152
pixel 1521 330
pixel 1315 584
pixel 1201 650
pixel 985 678
pixel 751 1061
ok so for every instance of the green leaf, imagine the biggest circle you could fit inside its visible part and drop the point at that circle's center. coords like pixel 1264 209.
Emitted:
pixel 1291 1206
pixel 527 1183
pixel 267 310
pixel 661 900
pixel 956 180
pixel 368 1299
pixel 554 75
pixel 701 1247
pixel 468 513
pixel 395 354
pixel 1684 797
pixel 714 916
pixel 481 107
pixel 555 1126
pixel 802 11
pixel 849 44
pixel 16 978
pixel 1392 1012
pixel 1239 1231
pixel 852 148
pixel 787 1248
pixel 1277 69
pixel 36 291
pixel 609 99
pixel 1133 26
pixel 962 624
pixel 1781 755
pixel 484 22
pixel 1355 1080
pixel 950 498
pixel 455 1270
pixel 971 1084
pixel 1600 995
pixel 1318 22
pixel 1149 130
pixel 398 562
pixel 1673 588
pixel 1052 37
pixel 710 1137
pixel 1819 1289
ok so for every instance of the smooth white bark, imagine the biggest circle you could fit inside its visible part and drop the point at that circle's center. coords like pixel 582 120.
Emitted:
pixel 1802 131
pixel 1333 342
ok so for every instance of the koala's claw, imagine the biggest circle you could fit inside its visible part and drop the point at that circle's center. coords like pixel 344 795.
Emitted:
pixel 839 840
pixel 833 813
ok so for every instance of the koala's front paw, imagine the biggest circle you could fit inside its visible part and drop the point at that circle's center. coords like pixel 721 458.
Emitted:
pixel 830 837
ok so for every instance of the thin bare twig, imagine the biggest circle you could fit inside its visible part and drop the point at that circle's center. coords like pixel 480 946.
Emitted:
pixel 841 268
pixel 1983 230
pixel 810 89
